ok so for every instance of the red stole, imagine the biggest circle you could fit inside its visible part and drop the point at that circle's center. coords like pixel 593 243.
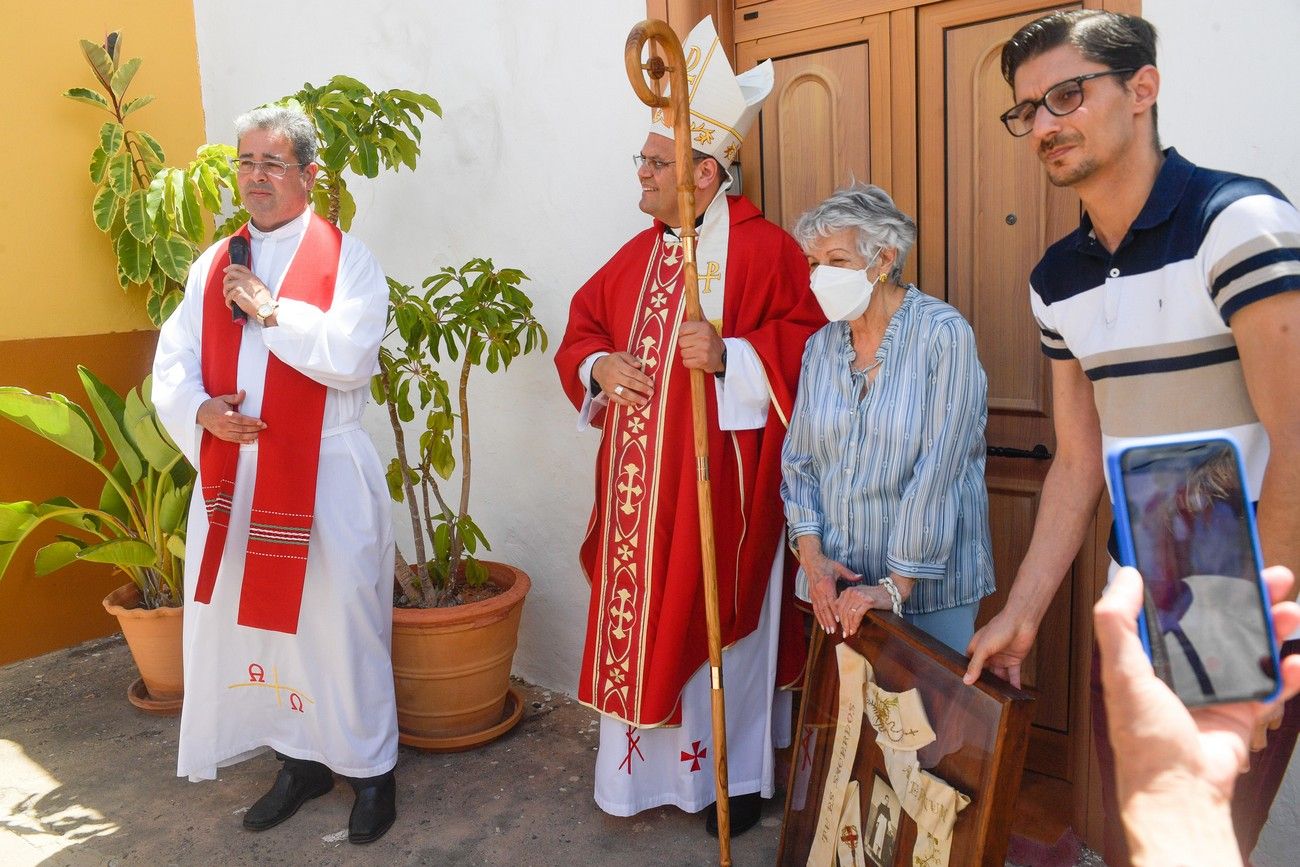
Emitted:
pixel 293 407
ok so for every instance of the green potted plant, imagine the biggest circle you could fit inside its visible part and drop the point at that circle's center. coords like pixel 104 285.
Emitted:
pixel 138 525
pixel 157 217
pixel 456 625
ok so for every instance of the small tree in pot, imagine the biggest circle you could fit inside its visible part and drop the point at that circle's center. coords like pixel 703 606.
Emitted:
pixel 475 315
pixel 451 655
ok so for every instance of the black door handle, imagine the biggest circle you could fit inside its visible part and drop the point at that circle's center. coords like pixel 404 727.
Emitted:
pixel 1037 453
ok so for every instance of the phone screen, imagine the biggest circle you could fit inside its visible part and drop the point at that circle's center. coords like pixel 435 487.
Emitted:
pixel 1207 617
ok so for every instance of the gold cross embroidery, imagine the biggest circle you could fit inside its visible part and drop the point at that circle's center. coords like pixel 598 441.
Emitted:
pixel 621 613
pixel 629 488
pixel 711 273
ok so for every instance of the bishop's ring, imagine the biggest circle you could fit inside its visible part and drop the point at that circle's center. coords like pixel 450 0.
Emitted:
pixel 618 390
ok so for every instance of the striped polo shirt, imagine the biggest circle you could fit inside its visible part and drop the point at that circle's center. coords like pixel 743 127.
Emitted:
pixel 1149 323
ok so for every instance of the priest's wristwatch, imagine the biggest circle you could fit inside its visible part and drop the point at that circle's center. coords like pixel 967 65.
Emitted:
pixel 265 311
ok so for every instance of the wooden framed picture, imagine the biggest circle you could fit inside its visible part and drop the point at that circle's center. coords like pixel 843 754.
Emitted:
pixel 896 761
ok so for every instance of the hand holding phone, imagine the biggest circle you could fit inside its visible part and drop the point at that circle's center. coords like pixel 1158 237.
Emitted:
pixel 1185 522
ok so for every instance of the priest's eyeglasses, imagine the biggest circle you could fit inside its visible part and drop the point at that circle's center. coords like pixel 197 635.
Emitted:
pixel 654 164
pixel 1060 99
pixel 272 168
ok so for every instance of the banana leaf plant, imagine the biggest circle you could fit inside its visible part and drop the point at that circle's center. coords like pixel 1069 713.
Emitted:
pixel 138 525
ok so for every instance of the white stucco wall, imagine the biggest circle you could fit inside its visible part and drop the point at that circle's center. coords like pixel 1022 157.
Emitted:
pixel 1228 78
pixel 531 166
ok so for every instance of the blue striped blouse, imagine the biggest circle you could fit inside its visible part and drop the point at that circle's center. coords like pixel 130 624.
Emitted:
pixel 894 481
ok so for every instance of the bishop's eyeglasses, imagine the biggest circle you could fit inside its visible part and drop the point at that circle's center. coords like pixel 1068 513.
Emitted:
pixel 272 168
pixel 654 164
pixel 1060 99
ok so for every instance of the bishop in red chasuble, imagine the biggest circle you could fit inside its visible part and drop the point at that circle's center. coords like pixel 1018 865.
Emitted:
pixel 624 364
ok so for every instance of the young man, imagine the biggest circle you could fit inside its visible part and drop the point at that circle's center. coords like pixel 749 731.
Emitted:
pixel 288 604
pixel 1170 309
pixel 625 364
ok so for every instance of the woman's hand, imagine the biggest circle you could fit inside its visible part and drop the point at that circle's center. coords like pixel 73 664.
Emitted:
pixel 856 601
pixel 822 574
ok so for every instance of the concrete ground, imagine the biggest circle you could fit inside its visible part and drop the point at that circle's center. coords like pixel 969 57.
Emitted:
pixel 86 779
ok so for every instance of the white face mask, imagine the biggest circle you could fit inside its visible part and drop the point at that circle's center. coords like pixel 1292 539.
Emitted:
pixel 843 293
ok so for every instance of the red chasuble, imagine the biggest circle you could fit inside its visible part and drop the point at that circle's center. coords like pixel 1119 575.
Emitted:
pixel 645 627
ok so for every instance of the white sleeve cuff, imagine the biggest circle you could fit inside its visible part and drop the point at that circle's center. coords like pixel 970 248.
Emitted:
pixel 590 405
pixel 743 395
pixel 584 369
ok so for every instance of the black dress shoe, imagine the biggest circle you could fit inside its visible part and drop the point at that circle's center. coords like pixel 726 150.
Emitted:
pixel 745 812
pixel 297 783
pixel 375 809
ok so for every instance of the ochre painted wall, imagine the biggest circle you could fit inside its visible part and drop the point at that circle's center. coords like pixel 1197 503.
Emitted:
pixel 60 299
pixel 42 614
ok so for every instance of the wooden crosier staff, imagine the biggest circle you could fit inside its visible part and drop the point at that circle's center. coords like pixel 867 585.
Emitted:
pixel 676 108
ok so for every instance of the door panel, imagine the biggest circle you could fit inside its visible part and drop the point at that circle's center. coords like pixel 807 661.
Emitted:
pixel 815 133
pixel 1001 214
pixel 988 213
pixel 827 120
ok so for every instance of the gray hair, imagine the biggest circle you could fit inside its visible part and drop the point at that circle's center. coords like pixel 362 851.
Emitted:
pixel 871 212
pixel 293 125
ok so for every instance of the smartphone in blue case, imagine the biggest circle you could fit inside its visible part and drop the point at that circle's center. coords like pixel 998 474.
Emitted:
pixel 1184 520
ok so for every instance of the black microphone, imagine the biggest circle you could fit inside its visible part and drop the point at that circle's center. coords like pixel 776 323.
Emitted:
pixel 240 254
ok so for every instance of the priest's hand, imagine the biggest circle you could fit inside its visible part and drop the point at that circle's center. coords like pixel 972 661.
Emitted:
pixel 619 376
pixel 241 286
pixel 700 347
pixel 218 416
pixel 1175 768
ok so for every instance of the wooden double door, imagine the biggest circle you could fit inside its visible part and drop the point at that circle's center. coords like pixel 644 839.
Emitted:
pixel 906 94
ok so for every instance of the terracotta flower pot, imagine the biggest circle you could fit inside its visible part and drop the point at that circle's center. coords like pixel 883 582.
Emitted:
pixel 154 637
pixel 451 667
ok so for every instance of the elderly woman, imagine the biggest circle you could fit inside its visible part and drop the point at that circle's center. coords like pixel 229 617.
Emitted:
pixel 883 465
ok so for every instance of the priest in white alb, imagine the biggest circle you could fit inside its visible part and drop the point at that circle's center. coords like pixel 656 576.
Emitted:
pixel 625 364
pixel 260 377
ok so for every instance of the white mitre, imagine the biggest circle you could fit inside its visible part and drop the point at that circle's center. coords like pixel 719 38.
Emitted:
pixel 723 104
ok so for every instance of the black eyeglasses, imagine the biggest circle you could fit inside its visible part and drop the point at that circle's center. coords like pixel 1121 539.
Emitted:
pixel 1060 99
